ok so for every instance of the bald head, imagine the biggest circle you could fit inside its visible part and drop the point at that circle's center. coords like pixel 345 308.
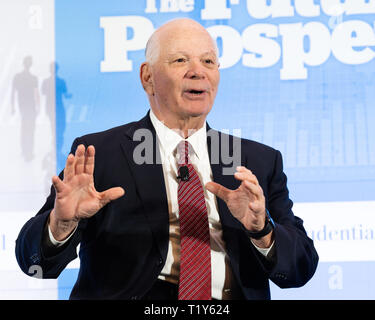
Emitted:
pixel 164 33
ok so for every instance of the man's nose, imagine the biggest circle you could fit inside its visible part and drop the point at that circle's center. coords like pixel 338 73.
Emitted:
pixel 195 70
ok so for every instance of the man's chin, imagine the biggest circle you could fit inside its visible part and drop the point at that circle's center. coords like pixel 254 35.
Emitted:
pixel 196 109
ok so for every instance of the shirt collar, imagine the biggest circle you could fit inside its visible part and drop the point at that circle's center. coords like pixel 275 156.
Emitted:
pixel 169 139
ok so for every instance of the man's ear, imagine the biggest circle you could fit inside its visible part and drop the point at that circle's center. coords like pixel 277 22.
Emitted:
pixel 146 78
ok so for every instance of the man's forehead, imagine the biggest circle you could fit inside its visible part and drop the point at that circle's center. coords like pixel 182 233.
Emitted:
pixel 187 42
pixel 187 53
pixel 180 35
pixel 183 35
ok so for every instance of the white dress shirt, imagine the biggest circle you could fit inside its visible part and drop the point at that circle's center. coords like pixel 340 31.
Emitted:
pixel 168 140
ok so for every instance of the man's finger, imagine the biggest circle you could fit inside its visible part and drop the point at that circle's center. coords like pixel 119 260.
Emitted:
pixel 90 160
pixel 80 159
pixel 69 168
pixel 245 176
pixel 110 195
pixel 255 190
pixel 57 183
pixel 243 169
pixel 248 172
pixel 218 190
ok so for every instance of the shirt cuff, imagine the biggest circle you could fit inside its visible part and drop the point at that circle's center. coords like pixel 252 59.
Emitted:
pixel 57 243
pixel 265 251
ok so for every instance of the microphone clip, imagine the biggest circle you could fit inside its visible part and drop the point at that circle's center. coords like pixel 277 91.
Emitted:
pixel 183 173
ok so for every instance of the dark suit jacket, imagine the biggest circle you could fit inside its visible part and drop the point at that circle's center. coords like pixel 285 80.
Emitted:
pixel 123 247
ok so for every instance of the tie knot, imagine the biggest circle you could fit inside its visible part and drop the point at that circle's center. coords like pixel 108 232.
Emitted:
pixel 183 149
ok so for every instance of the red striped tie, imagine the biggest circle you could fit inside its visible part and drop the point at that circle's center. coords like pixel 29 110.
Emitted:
pixel 195 259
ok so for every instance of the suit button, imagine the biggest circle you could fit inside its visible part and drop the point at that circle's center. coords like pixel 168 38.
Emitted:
pixel 280 275
pixel 134 298
pixel 160 262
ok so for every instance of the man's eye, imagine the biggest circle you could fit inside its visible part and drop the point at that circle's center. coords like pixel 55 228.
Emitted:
pixel 180 60
pixel 209 61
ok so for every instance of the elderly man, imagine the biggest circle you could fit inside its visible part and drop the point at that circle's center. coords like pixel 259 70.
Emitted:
pixel 178 228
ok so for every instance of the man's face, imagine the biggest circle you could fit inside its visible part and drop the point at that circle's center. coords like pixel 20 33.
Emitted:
pixel 186 74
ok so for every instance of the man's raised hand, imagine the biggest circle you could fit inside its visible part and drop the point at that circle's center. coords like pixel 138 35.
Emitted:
pixel 76 196
pixel 246 203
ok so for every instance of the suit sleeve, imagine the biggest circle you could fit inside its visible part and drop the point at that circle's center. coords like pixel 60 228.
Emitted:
pixel 30 245
pixel 295 258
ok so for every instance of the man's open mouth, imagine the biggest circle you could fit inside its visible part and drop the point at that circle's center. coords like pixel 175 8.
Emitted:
pixel 195 92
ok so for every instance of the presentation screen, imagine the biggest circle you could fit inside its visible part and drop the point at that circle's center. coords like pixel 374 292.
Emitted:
pixel 298 76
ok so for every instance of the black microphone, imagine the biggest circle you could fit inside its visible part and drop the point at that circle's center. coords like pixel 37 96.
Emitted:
pixel 183 173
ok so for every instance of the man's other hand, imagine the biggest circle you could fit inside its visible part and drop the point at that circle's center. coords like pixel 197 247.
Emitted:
pixel 76 196
pixel 246 203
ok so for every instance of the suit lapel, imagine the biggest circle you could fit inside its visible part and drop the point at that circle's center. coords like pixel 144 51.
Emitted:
pixel 149 180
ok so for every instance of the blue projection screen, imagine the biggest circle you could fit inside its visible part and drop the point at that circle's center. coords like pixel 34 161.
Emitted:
pixel 296 75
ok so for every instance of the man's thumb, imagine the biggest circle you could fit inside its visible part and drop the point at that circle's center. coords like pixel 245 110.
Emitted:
pixel 111 194
pixel 218 190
